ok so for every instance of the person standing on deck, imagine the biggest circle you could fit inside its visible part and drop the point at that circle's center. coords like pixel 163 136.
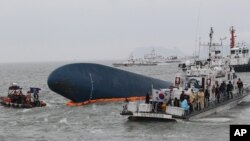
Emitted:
pixel 182 96
pixel 229 90
pixel 213 97
pixel 240 85
pixel 201 99
pixel 217 93
pixel 207 95
pixel 185 106
pixel 223 90
pixel 192 100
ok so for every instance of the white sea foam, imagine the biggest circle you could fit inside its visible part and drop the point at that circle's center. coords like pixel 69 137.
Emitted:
pixel 26 110
pixel 46 119
pixel 64 121
pixel 215 120
pixel 96 131
pixel 48 105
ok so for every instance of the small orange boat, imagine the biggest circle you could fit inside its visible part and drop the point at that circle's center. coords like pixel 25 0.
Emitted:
pixel 17 99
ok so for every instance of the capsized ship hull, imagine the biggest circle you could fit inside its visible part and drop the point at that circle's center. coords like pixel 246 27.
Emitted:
pixel 81 82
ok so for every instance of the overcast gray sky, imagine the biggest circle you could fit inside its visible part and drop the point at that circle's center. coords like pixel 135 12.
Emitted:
pixel 65 30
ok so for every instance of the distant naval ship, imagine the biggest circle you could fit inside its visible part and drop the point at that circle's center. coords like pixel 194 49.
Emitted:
pixel 150 59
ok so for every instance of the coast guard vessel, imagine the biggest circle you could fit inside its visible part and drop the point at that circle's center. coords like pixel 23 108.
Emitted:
pixel 186 99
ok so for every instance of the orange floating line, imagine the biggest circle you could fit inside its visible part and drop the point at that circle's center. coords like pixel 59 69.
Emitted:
pixel 71 103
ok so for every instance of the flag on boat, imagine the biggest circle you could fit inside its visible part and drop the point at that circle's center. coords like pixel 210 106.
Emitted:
pixel 158 95
pixel 34 90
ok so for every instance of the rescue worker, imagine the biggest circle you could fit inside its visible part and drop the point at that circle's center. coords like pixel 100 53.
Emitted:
pixel 213 97
pixel 201 99
pixel 223 90
pixel 207 95
pixel 229 90
pixel 36 99
pixel 185 106
pixel 217 93
pixel 182 96
pixel 170 102
pixel 18 97
pixel 22 97
pixel 164 106
pixel 28 98
pixel 176 102
pixel 192 100
pixel 240 85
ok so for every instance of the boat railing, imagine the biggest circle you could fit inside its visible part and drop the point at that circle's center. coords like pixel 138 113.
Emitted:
pixel 213 104
pixel 178 112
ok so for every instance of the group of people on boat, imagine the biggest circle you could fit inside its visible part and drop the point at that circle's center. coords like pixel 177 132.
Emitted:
pixel 17 97
pixel 193 100
pixel 224 91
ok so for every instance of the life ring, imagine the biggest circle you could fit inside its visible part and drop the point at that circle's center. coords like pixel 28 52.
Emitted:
pixel 177 80
pixel 208 82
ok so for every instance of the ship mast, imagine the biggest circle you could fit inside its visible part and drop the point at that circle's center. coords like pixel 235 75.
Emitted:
pixel 232 44
pixel 210 42
pixel 212 46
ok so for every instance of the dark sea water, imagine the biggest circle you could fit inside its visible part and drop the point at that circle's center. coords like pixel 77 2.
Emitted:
pixel 101 121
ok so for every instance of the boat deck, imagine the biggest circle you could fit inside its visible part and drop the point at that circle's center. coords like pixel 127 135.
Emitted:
pixel 213 107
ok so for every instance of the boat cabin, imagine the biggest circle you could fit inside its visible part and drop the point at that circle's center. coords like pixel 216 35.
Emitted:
pixel 239 55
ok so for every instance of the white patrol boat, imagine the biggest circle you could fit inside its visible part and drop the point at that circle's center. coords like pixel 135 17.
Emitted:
pixel 186 99
pixel 135 62
pixel 150 59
